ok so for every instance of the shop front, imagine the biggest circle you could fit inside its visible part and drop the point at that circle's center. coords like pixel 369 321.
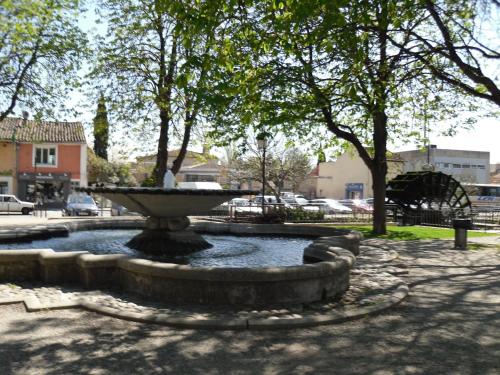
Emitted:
pixel 354 190
pixel 49 189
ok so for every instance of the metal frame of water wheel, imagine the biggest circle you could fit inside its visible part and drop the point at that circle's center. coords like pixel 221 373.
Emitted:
pixel 435 191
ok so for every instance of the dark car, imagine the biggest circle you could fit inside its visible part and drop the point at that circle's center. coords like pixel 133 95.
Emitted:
pixel 81 205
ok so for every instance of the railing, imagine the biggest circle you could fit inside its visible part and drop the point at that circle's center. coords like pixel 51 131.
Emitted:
pixel 309 213
pixel 483 217
pixel 486 217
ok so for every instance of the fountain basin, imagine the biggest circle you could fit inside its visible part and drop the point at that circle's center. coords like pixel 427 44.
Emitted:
pixel 167 227
pixel 167 203
pixel 326 278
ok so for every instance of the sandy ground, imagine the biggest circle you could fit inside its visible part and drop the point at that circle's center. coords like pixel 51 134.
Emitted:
pixel 449 325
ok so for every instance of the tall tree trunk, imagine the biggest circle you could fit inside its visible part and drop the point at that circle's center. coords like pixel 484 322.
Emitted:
pixel 176 165
pixel 165 84
pixel 162 154
pixel 379 171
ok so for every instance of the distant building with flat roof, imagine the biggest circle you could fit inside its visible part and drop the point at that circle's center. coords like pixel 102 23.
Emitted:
pixel 463 165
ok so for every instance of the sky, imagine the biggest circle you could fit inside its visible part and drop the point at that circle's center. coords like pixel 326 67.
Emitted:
pixel 484 136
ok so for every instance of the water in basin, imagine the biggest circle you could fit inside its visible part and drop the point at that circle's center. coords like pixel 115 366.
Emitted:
pixel 227 251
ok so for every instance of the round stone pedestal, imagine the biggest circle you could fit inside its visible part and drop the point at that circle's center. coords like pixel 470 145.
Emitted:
pixel 168 236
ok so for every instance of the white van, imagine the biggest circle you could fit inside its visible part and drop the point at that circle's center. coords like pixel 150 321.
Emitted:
pixel 10 203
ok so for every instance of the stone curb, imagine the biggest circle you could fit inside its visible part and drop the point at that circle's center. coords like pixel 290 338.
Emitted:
pixel 331 256
pixel 400 292
pixel 326 248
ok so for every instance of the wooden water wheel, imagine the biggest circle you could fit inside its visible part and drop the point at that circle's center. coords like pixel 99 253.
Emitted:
pixel 420 194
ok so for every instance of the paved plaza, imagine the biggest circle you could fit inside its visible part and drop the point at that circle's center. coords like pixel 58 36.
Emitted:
pixel 449 324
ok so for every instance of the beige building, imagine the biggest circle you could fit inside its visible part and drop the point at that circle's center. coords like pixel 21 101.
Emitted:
pixel 196 167
pixel 8 168
pixel 349 177
pixel 308 188
pixel 495 173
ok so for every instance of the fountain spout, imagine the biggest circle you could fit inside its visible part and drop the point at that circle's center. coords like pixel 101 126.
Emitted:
pixel 169 180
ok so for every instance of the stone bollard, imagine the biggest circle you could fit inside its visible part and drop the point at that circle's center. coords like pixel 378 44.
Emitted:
pixel 461 226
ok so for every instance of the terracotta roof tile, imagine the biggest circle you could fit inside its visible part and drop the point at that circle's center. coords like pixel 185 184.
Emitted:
pixel 32 131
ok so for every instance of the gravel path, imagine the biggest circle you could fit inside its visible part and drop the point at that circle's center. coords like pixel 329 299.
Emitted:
pixel 450 324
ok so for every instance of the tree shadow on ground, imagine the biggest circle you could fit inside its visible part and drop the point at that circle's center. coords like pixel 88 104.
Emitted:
pixel 449 325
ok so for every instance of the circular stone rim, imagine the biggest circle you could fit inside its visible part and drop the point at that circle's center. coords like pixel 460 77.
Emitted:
pixel 163 191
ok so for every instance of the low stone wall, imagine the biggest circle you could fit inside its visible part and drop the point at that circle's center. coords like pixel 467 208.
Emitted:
pixel 327 277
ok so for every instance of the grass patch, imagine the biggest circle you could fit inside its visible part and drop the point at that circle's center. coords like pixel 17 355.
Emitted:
pixel 412 232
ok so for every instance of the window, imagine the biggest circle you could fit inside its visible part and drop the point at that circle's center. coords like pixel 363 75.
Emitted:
pixel 74 184
pixel 45 156
pixel 4 187
pixel 465 166
pixel 199 178
pixel 480 166
pixel 457 166
pixel 446 165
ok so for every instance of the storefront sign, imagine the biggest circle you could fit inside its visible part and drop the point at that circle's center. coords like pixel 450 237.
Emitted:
pixel 26 176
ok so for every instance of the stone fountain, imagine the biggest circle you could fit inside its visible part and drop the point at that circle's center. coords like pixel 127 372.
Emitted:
pixel 167 209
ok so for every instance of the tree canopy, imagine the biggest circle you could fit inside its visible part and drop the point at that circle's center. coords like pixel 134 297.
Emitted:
pixel 41 50
pixel 155 64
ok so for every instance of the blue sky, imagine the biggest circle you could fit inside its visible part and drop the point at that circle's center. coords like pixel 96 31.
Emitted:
pixel 485 136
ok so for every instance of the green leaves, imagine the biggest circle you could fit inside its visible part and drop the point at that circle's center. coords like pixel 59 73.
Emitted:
pixel 41 49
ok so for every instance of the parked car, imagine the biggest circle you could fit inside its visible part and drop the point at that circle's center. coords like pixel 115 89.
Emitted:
pixel 331 206
pixel 81 204
pixel 357 205
pixel 224 207
pixel 239 202
pixel 10 203
pixel 244 205
pixel 118 210
pixel 268 199
pixel 299 201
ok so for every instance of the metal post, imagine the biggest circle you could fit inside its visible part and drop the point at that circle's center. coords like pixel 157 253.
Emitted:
pixel 461 238
pixel 263 177
pixel 262 144
pixel 461 226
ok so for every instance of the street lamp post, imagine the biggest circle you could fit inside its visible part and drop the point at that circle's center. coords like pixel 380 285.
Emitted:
pixel 262 144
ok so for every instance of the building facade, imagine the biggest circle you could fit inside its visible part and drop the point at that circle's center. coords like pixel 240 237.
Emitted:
pixel 308 187
pixel 349 178
pixel 43 160
pixel 495 173
pixel 463 165
pixel 196 167
pixel 8 183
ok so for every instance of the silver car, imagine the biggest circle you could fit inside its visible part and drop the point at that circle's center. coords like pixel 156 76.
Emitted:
pixel 81 204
